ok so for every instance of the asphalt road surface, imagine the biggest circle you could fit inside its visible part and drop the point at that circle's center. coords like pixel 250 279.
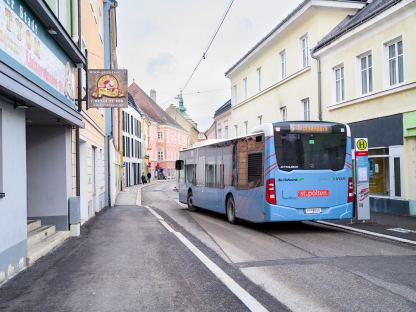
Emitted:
pixel 305 266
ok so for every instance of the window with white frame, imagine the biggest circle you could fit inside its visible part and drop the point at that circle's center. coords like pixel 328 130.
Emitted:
pixel 159 155
pixel 259 79
pixel 246 127
pixel 395 62
pixel 235 94
pixel 304 51
pixel 306 109
pixel 260 119
pixel 339 83
pixel 366 73
pixel 245 87
pixel 236 130
pixel 160 135
pixel 219 133
pixel 283 113
pixel 226 132
pixel 282 64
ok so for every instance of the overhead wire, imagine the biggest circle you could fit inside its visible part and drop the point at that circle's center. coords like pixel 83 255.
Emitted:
pixel 204 54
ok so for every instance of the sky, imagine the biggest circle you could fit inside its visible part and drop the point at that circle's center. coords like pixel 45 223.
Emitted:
pixel 161 41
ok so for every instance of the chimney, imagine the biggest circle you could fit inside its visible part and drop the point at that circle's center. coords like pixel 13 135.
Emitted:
pixel 153 95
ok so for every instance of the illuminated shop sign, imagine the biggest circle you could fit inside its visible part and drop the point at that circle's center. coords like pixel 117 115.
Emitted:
pixel 28 48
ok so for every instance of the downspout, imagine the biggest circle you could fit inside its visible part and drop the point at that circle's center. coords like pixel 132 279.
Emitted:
pixel 77 139
pixel 318 60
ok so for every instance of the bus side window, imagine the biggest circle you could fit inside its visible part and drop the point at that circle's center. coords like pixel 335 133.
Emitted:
pixel 190 174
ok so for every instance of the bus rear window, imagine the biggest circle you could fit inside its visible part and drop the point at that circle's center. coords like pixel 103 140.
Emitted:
pixel 310 151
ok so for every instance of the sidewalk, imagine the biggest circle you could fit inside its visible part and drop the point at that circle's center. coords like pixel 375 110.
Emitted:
pixel 398 227
pixel 124 260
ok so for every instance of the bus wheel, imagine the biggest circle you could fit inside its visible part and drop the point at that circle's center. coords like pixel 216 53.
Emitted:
pixel 190 202
pixel 231 210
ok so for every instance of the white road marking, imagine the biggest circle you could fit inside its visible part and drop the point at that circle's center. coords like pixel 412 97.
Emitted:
pixel 348 228
pixel 249 301
pixel 401 230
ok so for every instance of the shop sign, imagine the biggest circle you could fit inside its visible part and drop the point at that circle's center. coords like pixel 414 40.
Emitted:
pixel 362 178
pixel 107 88
pixel 28 48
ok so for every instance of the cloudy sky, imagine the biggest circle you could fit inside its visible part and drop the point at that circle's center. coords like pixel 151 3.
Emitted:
pixel 160 42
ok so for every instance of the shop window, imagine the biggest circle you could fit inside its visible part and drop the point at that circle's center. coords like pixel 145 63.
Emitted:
pixel 397 178
pixel 379 176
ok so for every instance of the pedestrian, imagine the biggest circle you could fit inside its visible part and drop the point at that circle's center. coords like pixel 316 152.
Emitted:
pixel 143 178
pixel 156 174
pixel 149 176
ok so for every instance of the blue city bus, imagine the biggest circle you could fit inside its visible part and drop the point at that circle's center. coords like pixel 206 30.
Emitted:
pixel 283 171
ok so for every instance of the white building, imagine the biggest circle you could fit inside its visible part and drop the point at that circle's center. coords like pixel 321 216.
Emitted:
pixel 133 144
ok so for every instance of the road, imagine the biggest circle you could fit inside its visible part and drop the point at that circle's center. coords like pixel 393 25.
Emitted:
pixel 305 266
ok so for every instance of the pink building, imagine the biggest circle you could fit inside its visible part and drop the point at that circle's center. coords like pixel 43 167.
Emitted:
pixel 165 137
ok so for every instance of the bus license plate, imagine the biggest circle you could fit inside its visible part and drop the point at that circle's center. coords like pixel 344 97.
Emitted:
pixel 313 210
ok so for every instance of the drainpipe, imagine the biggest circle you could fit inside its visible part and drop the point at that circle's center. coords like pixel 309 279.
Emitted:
pixel 318 60
pixel 77 140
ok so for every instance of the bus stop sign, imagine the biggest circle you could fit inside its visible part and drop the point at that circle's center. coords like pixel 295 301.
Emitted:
pixel 362 179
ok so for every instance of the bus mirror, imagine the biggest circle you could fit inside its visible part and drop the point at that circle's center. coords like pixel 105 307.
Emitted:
pixel 179 165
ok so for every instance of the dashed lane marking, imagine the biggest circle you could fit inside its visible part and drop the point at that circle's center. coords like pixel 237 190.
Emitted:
pixel 248 300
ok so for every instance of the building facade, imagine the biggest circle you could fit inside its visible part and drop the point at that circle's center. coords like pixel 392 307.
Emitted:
pixel 276 79
pixel 184 120
pixel 92 136
pixel 113 153
pixel 222 117
pixel 369 81
pixel 133 144
pixel 165 137
pixel 38 61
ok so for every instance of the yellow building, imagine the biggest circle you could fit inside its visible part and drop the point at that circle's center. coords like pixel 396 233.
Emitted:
pixel 275 80
pixel 368 79
pixel 92 137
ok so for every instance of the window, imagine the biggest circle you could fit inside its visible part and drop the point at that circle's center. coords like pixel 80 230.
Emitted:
pixel 210 175
pixel 226 132
pixel 159 155
pixel 236 130
pixel 339 84
pixel 304 51
pixel 260 118
pixel 396 70
pixel 366 71
pixel 246 126
pixel 385 171
pixel 219 133
pixel 160 134
pixel 259 79
pixel 282 64
pixel 245 87
pixel 100 24
pixel 311 151
pixel 306 109
pixel 235 94
pixel 283 113
pixel 190 173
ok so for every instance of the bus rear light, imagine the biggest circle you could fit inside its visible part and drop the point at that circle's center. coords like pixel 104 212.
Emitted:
pixel 271 192
pixel 350 190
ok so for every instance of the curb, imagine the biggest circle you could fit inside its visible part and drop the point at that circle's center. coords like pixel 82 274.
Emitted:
pixel 379 235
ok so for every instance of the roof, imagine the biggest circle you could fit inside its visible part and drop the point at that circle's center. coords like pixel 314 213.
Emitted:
pixel 223 108
pixel 150 107
pixel 280 25
pixel 368 12
pixel 133 104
